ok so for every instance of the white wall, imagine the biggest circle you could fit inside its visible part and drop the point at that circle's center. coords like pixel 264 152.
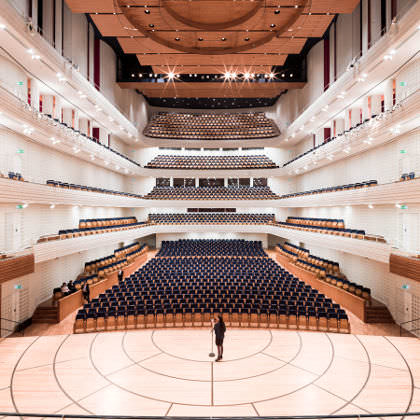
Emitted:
pixel 38 286
pixel 385 164
pixel 37 220
pixel 39 163
pixel 385 286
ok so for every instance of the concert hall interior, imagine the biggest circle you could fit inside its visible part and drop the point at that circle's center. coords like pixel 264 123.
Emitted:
pixel 210 209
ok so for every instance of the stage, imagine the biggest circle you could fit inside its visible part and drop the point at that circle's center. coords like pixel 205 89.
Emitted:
pixel 168 372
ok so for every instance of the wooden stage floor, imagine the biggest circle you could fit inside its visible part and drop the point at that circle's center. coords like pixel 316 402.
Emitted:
pixel 168 372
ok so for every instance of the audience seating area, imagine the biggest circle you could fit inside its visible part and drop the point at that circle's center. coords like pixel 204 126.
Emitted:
pixel 96 226
pixel 408 177
pixel 96 270
pixel 354 186
pixel 327 226
pixel 211 218
pixel 16 176
pixel 211 193
pixel 76 187
pixel 211 247
pixel 211 162
pixel 326 270
pixel 228 126
pixel 197 279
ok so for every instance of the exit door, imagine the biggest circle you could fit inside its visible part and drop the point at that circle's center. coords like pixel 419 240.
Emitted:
pixel 13 232
pixel 410 232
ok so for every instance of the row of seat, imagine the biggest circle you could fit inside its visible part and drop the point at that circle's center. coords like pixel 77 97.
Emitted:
pixel 120 254
pixel 185 290
pixel 408 177
pixel 317 221
pixel 349 286
pixel 106 222
pixel 211 193
pixel 327 226
pixel 297 250
pixel 134 319
pixel 211 162
pixel 94 227
pixel 211 218
pixel 16 176
pixel 346 187
pixel 304 253
pixel 211 247
pixel 326 270
pixel 66 185
pixel 226 126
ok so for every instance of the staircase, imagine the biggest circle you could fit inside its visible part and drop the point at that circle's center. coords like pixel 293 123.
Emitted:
pixel 46 313
pixel 378 313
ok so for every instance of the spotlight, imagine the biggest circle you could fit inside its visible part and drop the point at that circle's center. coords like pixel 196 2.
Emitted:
pixel 227 75
pixel 171 75
pixel 246 76
pixel 271 76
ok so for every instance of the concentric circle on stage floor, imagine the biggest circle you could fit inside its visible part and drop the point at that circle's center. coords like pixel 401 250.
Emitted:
pixel 168 372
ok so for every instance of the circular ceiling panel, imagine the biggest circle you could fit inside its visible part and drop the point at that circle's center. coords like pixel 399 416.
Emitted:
pixel 211 26
pixel 212 14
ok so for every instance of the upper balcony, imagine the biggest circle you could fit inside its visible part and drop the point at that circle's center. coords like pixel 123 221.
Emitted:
pixel 386 57
pixel 37 57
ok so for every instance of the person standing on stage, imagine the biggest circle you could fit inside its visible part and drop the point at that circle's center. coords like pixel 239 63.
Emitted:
pixel 219 330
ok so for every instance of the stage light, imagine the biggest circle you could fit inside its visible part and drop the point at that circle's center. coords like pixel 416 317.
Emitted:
pixel 247 75
pixel 227 75
pixel 171 75
pixel 271 75
pixel 233 75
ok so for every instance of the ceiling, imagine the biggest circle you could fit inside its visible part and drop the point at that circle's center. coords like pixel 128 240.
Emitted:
pixel 211 37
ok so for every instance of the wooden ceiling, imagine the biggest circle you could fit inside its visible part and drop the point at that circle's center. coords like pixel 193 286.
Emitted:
pixel 211 36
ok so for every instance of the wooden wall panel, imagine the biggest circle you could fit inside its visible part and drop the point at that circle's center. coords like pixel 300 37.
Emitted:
pixel 142 44
pixel 405 266
pixel 11 268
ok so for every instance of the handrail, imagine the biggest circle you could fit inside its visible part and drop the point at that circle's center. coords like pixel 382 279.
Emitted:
pixel 413 320
pixel 9 320
pixel 408 322
pixel 297 417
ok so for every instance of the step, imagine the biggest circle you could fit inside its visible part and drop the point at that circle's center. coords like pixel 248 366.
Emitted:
pixel 44 321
